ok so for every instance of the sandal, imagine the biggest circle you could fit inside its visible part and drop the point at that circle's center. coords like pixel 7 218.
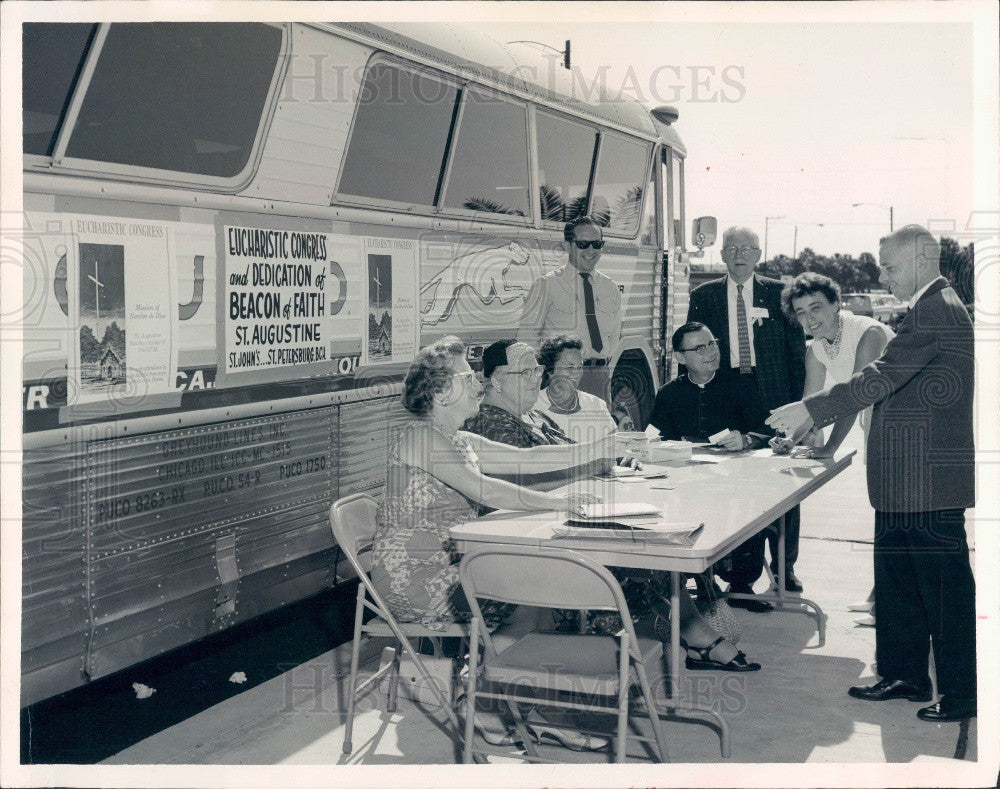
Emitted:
pixel 705 663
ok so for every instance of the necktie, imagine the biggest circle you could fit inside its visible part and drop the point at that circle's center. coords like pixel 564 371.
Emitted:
pixel 588 304
pixel 742 331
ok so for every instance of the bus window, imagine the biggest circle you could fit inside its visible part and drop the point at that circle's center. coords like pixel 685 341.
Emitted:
pixel 400 134
pixel 565 155
pixel 490 167
pixel 181 97
pixel 647 229
pixel 618 187
pixel 52 58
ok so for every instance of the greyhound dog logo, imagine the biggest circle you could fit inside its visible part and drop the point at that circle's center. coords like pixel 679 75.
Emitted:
pixel 483 278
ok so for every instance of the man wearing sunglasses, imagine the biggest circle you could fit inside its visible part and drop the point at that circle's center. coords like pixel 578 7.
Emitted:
pixel 578 299
pixel 764 351
pixel 700 403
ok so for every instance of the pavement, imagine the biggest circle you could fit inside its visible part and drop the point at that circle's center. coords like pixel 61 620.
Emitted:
pixel 794 711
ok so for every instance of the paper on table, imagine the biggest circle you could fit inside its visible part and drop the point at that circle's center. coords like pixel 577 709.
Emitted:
pixel 658 531
pixel 652 432
pixel 616 509
pixel 715 438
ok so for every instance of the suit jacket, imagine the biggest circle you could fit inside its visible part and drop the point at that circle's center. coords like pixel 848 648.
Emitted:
pixel 921 452
pixel 779 344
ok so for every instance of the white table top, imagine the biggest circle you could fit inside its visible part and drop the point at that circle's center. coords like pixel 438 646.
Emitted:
pixel 734 499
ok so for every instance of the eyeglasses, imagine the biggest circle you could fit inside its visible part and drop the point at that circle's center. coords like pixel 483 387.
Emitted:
pixel 584 244
pixel 526 375
pixel 568 368
pixel 702 349
pixel 465 378
pixel 746 249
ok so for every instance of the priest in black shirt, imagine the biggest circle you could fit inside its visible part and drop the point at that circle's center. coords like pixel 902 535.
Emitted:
pixel 701 403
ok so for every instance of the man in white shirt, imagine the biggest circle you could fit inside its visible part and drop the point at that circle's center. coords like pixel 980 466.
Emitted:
pixel 578 299
pixel 765 350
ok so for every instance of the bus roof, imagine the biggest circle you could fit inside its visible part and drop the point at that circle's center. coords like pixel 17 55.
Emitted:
pixel 519 67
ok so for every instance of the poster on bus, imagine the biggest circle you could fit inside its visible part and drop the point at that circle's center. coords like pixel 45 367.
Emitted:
pixel 121 291
pixel 291 303
pixel 391 275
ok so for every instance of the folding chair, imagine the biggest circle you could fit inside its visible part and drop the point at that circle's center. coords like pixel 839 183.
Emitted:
pixel 553 661
pixel 352 519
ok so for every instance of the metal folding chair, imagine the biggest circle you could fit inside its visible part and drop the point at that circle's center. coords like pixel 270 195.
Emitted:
pixel 352 519
pixel 556 662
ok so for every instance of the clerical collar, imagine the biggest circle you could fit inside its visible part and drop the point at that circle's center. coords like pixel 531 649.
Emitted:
pixel 705 383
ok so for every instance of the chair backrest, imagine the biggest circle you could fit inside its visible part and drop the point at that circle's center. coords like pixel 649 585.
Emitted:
pixel 548 578
pixel 352 520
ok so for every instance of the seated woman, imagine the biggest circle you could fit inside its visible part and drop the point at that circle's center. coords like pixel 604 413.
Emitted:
pixel 506 415
pixel 435 481
pixel 580 415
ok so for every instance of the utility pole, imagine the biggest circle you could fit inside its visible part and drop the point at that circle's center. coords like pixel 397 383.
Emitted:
pixel 767 219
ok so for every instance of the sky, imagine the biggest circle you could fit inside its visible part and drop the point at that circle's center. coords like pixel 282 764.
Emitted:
pixel 799 120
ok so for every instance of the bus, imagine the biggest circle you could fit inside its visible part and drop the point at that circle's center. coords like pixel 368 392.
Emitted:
pixel 235 237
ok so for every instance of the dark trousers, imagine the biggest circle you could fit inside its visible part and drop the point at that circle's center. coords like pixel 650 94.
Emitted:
pixel 750 394
pixel 745 564
pixel 792 519
pixel 925 592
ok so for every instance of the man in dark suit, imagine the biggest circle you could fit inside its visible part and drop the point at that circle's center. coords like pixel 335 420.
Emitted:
pixel 766 351
pixel 921 478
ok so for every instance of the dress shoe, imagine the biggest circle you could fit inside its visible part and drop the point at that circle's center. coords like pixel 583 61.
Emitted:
pixel 863 607
pixel 948 708
pixel 792 582
pixel 886 689
pixel 755 606
pixel 865 621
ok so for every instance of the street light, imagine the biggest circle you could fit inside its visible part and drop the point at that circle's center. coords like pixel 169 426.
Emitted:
pixel 879 205
pixel 795 238
pixel 766 220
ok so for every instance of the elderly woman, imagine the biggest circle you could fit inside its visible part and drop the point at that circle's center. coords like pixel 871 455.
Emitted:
pixel 580 415
pixel 507 415
pixel 843 344
pixel 437 478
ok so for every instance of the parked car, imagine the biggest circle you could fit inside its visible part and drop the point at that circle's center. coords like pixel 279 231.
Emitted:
pixel 882 307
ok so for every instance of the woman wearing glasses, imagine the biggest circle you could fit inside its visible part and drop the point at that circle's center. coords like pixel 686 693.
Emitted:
pixel 580 415
pixel 437 479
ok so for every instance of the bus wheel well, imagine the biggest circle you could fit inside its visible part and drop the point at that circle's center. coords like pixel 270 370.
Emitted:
pixel 632 391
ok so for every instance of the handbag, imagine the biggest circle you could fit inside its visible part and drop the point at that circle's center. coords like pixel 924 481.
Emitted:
pixel 715 610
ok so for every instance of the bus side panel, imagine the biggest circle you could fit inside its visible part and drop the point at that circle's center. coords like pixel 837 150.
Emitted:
pixel 309 131
pixel 54 613
pixel 184 522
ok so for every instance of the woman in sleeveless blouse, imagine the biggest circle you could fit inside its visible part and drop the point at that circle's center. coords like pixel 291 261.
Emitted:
pixel 437 479
pixel 843 344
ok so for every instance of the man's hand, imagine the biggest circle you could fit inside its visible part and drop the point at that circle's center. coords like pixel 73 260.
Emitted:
pixel 627 461
pixel 790 419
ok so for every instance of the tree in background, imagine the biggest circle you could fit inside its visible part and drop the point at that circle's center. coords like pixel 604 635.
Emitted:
pixel 860 275
pixel 957 265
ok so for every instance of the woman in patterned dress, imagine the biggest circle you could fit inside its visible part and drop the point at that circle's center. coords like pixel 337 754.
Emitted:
pixel 437 480
pixel 843 344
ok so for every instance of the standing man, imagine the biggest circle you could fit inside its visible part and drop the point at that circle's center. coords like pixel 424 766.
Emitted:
pixel 921 478
pixel 765 350
pixel 578 299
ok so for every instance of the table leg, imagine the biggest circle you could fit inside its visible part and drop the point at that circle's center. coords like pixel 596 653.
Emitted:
pixel 780 582
pixel 780 596
pixel 675 636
